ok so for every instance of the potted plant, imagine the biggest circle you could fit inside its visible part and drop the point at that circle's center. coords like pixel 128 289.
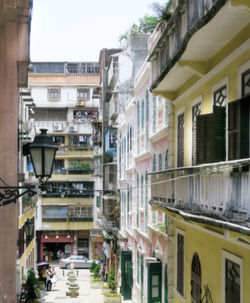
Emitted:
pixel 112 296
pixel 96 281
pixel 31 286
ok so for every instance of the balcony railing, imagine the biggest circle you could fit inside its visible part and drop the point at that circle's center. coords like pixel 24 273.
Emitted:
pixel 70 194
pixel 221 189
pixel 176 35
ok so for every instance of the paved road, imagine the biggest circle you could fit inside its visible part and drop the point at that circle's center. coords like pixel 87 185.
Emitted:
pixel 59 289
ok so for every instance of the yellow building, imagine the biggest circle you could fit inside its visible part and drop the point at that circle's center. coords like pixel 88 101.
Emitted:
pixel 201 63
pixel 65 104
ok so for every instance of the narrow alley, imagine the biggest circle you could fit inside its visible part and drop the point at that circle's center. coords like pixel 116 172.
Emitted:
pixel 59 289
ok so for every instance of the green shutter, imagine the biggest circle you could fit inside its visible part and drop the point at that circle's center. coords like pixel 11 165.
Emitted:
pixel 154 282
pixel 210 138
pixel 238 128
pixel 126 275
pixel 98 201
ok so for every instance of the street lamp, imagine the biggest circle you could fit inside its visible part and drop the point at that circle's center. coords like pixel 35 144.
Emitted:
pixel 28 228
pixel 42 151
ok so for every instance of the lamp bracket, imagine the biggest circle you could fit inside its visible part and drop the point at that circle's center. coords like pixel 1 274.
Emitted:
pixel 9 194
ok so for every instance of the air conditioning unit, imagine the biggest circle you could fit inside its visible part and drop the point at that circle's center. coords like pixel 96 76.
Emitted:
pixel 73 128
pixel 58 127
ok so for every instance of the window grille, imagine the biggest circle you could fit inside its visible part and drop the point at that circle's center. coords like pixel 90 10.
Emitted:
pixel 232 282
pixel 220 96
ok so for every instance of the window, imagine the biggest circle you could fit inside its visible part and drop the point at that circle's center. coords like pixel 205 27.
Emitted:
pixel 54 93
pixel 196 284
pixel 130 138
pixel 98 201
pixel 196 110
pixel 58 139
pixel 146 201
pixel 83 93
pixel 138 267
pixel 166 113
pixel 58 167
pixel 147 119
pixel 154 114
pixel 180 140
pixel 138 128
pixel 154 163
pixel 142 114
pixel 232 278
pixel 238 128
pixel 210 136
pixel 142 190
pixel 138 198
pixel 160 161
pixel 245 83
pixel 220 96
pixel 180 263
pixel 166 159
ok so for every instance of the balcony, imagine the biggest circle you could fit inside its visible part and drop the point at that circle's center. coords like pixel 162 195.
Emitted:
pixel 218 190
pixel 113 72
pixel 192 37
pixel 110 176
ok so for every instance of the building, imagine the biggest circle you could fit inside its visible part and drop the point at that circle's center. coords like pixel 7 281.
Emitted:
pixel 201 65
pixel 15 18
pixel 66 106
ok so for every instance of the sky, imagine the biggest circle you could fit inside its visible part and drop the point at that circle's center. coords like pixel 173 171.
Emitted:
pixel 76 30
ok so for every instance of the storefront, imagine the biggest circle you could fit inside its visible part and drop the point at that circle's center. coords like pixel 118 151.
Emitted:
pixel 51 244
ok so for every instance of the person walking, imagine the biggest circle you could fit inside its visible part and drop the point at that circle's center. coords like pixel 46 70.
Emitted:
pixel 49 276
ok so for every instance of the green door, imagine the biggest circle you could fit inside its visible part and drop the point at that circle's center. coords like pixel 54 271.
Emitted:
pixel 166 284
pixel 154 282
pixel 142 278
pixel 126 275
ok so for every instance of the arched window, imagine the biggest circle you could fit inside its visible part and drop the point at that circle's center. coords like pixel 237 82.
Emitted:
pixel 196 279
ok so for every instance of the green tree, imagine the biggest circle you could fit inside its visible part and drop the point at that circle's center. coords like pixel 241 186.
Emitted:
pixel 112 283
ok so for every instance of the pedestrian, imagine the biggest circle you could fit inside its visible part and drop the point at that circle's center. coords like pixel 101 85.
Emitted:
pixel 49 276
pixel 54 277
pixel 44 275
pixel 23 295
pixel 103 273
pixel 59 255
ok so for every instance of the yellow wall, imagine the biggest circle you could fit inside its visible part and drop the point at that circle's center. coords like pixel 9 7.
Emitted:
pixel 209 248
pixel 67 225
pixel 205 91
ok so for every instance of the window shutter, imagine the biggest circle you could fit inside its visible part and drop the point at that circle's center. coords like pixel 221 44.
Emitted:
pixel 219 138
pixel 238 128
pixel 210 139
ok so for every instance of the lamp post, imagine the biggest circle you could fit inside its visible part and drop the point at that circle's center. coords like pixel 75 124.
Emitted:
pixel 28 229
pixel 42 151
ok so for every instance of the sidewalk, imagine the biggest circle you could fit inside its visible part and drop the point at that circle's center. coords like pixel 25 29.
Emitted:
pixel 59 289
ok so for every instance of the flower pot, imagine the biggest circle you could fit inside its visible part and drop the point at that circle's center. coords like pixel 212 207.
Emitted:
pixel 112 298
pixel 96 284
pixel 73 290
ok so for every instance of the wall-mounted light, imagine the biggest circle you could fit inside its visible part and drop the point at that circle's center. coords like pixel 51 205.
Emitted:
pixel 42 152
pixel 57 236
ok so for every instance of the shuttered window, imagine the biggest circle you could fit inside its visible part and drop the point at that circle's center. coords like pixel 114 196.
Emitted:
pixel 210 139
pixel 238 128
pixel 180 147
pixel 180 263
pixel 160 162
pixel 166 159
pixel 154 163
pixel 245 83
pixel 154 114
pixel 196 110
